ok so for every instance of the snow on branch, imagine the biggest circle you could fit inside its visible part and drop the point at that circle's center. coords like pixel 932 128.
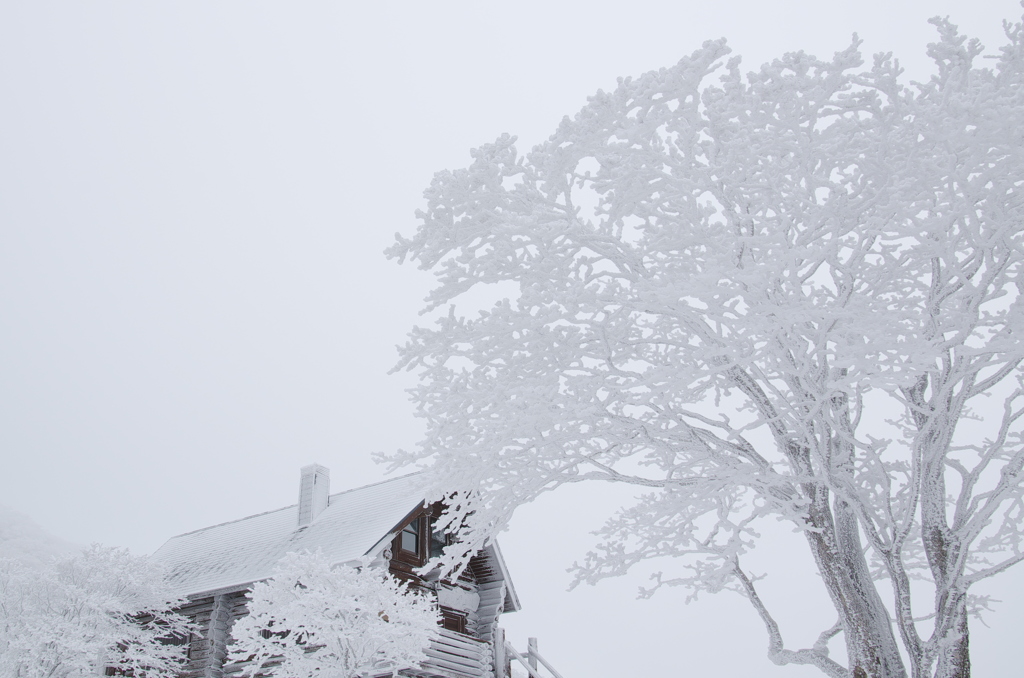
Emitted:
pixel 312 620
pixel 84 612
pixel 789 294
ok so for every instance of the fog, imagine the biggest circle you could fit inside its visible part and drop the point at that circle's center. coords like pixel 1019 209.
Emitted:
pixel 193 297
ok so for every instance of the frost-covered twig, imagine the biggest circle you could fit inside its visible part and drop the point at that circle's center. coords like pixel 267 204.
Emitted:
pixel 815 656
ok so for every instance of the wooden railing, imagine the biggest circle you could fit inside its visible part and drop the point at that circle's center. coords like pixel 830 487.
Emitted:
pixel 532 659
pixel 457 655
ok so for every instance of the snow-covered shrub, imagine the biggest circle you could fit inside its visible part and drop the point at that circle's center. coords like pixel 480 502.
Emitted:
pixel 315 620
pixel 102 607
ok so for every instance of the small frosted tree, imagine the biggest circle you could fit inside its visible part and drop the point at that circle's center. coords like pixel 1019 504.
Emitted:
pixel 793 294
pixel 311 620
pixel 81 613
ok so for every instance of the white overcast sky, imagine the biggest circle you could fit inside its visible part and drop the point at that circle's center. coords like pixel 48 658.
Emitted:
pixel 194 200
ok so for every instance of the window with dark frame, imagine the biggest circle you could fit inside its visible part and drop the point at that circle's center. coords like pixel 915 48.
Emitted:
pixel 410 538
pixel 419 541
pixel 453 620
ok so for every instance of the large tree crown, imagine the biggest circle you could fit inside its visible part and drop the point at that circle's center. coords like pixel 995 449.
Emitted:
pixel 754 294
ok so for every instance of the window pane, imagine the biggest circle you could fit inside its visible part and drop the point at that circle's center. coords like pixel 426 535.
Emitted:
pixel 411 537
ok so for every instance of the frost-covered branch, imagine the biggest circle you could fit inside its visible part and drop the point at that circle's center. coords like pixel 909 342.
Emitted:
pixel 85 612
pixel 815 656
pixel 311 620
pixel 765 295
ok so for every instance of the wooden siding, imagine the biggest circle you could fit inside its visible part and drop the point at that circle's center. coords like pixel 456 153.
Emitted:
pixel 214 616
pixel 451 655
pixel 456 655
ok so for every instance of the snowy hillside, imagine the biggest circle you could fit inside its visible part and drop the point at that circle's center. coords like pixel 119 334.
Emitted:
pixel 21 539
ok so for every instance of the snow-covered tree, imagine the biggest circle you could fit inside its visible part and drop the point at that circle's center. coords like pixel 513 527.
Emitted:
pixel 793 294
pixel 312 620
pixel 85 612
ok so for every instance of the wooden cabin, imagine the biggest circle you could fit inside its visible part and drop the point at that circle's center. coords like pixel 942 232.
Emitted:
pixel 387 521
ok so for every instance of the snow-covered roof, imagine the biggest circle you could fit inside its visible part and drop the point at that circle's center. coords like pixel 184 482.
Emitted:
pixel 243 551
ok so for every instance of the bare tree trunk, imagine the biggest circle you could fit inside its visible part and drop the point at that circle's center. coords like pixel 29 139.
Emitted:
pixel 953 655
pixel 878 649
pixel 954 660
pixel 871 645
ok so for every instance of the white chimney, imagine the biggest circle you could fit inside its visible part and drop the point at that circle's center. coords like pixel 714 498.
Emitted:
pixel 314 489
